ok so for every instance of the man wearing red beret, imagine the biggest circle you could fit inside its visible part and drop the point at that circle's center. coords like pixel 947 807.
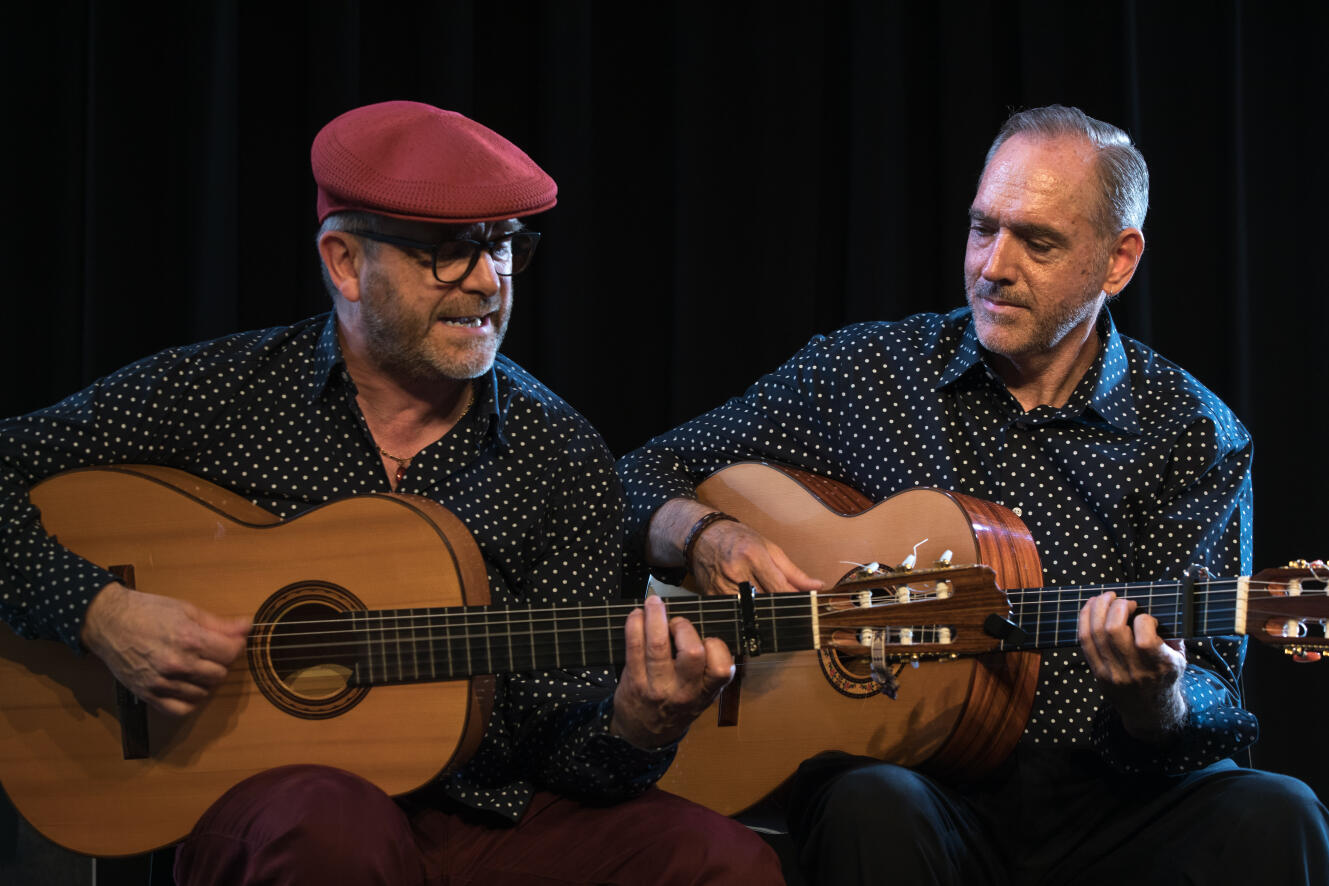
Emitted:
pixel 400 388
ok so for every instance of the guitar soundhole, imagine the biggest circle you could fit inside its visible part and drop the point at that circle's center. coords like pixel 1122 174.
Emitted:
pixel 850 675
pixel 303 650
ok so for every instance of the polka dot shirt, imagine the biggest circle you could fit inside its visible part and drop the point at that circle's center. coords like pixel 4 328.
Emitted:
pixel 272 416
pixel 1142 473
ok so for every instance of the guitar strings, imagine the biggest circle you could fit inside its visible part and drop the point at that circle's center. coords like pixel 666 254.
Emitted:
pixel 480 624
pixel 572 613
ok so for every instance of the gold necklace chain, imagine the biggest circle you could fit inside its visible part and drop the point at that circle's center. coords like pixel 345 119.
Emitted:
pixel 405 462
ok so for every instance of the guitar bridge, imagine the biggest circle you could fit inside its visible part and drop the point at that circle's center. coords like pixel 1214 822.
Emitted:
pixel 129 708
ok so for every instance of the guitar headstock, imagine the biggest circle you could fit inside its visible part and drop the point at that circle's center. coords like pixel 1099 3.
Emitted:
pixel 941 611
pixel 1288 607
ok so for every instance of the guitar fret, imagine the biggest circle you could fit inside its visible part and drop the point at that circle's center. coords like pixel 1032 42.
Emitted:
pixel 396 642
pixel 415 650
pixel 775 624
pixel 1063 616
pixel 489 650
pixel 429 645
pixel 363 658
pixel 1202 609
pixel 466 642
pixel 382 646
pixel 447 644
pixel 1038 622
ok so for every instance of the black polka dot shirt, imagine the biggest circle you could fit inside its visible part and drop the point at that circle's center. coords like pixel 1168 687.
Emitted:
pixel 272 416
pixel 1142 473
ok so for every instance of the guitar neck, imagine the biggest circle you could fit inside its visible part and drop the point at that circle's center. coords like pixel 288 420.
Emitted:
pixel 446 643
pixel 1050 616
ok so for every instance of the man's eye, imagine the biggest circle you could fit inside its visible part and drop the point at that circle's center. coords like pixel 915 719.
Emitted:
pixel 501 250
pixel 978 229
pixel 453 251
pixel 1040 247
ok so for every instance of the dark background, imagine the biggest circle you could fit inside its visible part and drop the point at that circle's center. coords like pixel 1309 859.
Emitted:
pixel 734 178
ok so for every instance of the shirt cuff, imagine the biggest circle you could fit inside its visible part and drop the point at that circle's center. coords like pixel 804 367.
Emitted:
pixel 617 764
pixel 1213 730
pixel 67 582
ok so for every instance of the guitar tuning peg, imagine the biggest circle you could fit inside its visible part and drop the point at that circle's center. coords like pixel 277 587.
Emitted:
pixel 945 558
pixel 908 563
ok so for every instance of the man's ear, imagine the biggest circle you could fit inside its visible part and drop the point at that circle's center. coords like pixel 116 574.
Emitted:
pixel 1123 259
pixel 342 256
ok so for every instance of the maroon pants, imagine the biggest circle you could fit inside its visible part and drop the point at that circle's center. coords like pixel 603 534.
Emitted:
pixel 315 825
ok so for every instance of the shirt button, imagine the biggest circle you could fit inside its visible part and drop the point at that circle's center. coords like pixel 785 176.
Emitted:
pixel 1019 512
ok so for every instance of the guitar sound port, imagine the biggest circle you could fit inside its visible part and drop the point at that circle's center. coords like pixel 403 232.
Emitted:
pixel 306 654
pixel 304 650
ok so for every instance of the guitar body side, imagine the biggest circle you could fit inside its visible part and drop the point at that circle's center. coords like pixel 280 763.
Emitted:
pixel 957 718
pixel 60 740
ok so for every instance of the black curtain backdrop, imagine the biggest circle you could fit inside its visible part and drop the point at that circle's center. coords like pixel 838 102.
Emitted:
pixel 735 178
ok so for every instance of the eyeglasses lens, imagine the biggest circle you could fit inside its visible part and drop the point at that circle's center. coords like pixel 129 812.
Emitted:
pixel 455 259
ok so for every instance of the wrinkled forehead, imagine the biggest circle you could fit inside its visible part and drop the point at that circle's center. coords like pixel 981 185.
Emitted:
pixel 1040 176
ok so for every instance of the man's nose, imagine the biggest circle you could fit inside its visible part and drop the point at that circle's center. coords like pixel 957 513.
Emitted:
pixel 1000 264
pixel 483 277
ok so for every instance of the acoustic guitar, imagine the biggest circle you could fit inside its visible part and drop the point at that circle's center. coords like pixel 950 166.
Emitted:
pixel 373 646
pixel 956 717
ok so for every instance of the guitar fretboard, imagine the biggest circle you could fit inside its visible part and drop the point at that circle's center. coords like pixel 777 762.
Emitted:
pixel 1050 616
pixel 445 643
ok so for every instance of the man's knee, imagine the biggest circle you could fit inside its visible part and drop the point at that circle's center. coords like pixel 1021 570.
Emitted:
pixel 689 844
pixel 879 796
pixel 297 818
pixel 1275 804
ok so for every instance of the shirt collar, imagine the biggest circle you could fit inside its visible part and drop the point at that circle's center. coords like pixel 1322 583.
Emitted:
pixel 491 397
pixel 1108 377
pixel 328 360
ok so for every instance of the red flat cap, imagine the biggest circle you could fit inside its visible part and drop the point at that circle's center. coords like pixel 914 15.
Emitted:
pixel 415 161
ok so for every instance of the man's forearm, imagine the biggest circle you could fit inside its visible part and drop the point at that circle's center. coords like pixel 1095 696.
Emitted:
pixel 669 530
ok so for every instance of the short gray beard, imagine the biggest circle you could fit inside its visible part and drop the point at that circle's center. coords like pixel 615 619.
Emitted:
pixel 398 346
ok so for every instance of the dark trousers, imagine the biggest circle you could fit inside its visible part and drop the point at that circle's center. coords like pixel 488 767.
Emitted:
pixel 1055 818
pixel 314 825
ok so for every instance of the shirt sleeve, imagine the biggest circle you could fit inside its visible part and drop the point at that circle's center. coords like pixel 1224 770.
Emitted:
pixel 1204 519
pixel 1216 725
pixel 784 417
pixel 44 588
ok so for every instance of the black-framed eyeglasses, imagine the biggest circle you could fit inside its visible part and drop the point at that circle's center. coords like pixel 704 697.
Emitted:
pixel 455 259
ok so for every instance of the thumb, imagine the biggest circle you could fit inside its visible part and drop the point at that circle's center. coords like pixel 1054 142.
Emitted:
pixel 795 576
pixel 231 625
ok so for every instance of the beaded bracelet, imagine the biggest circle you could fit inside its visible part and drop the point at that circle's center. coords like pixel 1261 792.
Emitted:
pixel 695 532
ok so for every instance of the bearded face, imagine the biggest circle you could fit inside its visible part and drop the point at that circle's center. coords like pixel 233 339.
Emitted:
pixel 425 330
pixel 1035 264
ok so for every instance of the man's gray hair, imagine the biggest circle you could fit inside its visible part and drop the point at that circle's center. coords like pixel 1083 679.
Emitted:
pixel 347 221
pixel 1123 176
